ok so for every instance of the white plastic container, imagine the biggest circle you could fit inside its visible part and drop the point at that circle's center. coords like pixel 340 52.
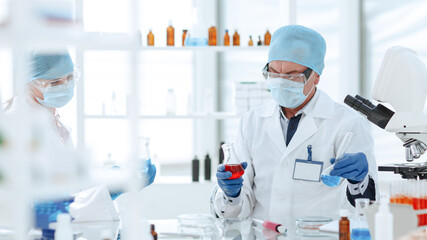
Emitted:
pixel 384 220
pixel 63 230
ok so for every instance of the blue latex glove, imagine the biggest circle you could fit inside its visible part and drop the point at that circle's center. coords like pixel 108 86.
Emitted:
pixel 149 173
pixel 352 166
pixel 231 187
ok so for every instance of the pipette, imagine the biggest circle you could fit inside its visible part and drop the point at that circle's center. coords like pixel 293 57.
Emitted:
pixel 279 228
pixel 333 181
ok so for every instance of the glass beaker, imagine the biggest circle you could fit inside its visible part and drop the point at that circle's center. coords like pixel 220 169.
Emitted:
pixel 360 230
pixel 333 181
pixel 231 161
pixel 144 154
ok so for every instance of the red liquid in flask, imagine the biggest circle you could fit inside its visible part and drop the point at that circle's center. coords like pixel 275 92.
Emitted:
pixel 236 169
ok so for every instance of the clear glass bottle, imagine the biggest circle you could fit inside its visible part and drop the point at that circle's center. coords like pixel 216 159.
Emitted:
pixel 236 39
pixel 267 38
pixel 360 229
pixel 212 36
pixel 226 38
pixel 170 34
pixel 144 154
pixel 171 103
pixel 150 39
pixel 251 42
pixel 231 161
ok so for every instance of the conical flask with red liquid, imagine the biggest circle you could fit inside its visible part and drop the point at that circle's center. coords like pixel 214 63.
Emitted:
pixel 231 162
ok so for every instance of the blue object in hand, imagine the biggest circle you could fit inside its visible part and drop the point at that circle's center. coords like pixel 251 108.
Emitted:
pixel 148 173
pixel 231 187
pixel 352 166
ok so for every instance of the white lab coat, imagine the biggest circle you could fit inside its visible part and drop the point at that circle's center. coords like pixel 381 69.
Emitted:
pixel 94 204
pixel 268 188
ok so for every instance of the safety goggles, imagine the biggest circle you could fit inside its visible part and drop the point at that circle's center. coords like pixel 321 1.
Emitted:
pixel 59 83
pixel 299 77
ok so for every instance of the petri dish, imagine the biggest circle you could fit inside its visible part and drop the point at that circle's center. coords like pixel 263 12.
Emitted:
pixel 309 225
pixel 197 224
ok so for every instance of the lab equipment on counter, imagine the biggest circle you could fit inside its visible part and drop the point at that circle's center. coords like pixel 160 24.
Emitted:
pixel 150 38
pixel 46 212
pixel 267 38
pixel 202 225
pixel 251 42
pixel 408 121
pixel 277 227
pixel 226 38
pixel 384 220
pixel 212 36
pixel 195 166
pixel 207 166
pixel 344 225
pixel 360 229
pixel 170 35
pixel 231 161
pixel 333 181
pixel 63 230
pixel 413 193
pixel 236 38
pixel 309 225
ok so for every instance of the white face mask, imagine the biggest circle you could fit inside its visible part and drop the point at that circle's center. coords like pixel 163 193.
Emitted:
pixel 57 96
pixel 287 93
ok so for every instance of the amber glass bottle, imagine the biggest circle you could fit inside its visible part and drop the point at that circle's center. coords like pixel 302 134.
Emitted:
pixel 212 36
pixel 184 34
pixel 236 39
pixel 267 38
pixel 153 231
pixel 170 35
pixel 226 38
pixel 251 42
pixel 344 226
pixel 150 38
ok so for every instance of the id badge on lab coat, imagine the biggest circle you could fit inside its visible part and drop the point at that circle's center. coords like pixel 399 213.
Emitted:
pixel 307 170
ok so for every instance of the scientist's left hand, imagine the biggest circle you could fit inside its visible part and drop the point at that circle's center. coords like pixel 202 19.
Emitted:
pixel 352 166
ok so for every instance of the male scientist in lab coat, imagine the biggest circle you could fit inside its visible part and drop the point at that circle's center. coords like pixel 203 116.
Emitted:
pixel 285 144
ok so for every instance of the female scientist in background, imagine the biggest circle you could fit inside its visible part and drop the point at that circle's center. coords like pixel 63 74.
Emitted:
pixel 51 86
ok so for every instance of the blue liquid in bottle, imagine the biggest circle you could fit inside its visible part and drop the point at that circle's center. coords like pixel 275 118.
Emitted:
pixel 331 181
pixel 360 234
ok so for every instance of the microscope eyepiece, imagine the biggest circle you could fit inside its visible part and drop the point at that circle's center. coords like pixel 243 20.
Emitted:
pixel 378 115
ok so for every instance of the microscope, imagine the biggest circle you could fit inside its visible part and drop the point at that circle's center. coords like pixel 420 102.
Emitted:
pixel 401 82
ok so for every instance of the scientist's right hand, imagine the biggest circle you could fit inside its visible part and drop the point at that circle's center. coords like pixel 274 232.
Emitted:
pixel 231 187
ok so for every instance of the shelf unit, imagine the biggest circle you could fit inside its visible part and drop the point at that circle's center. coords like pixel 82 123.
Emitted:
pixel 57 38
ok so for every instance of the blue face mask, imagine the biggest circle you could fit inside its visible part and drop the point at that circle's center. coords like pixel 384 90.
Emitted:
pixel 57 96
pixel 287 93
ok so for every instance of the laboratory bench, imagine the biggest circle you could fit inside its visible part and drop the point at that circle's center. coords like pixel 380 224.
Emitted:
pixel 221 229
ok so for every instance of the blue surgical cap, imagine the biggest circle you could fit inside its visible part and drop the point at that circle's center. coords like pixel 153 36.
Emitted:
pixel 298 44
pixel 50 66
